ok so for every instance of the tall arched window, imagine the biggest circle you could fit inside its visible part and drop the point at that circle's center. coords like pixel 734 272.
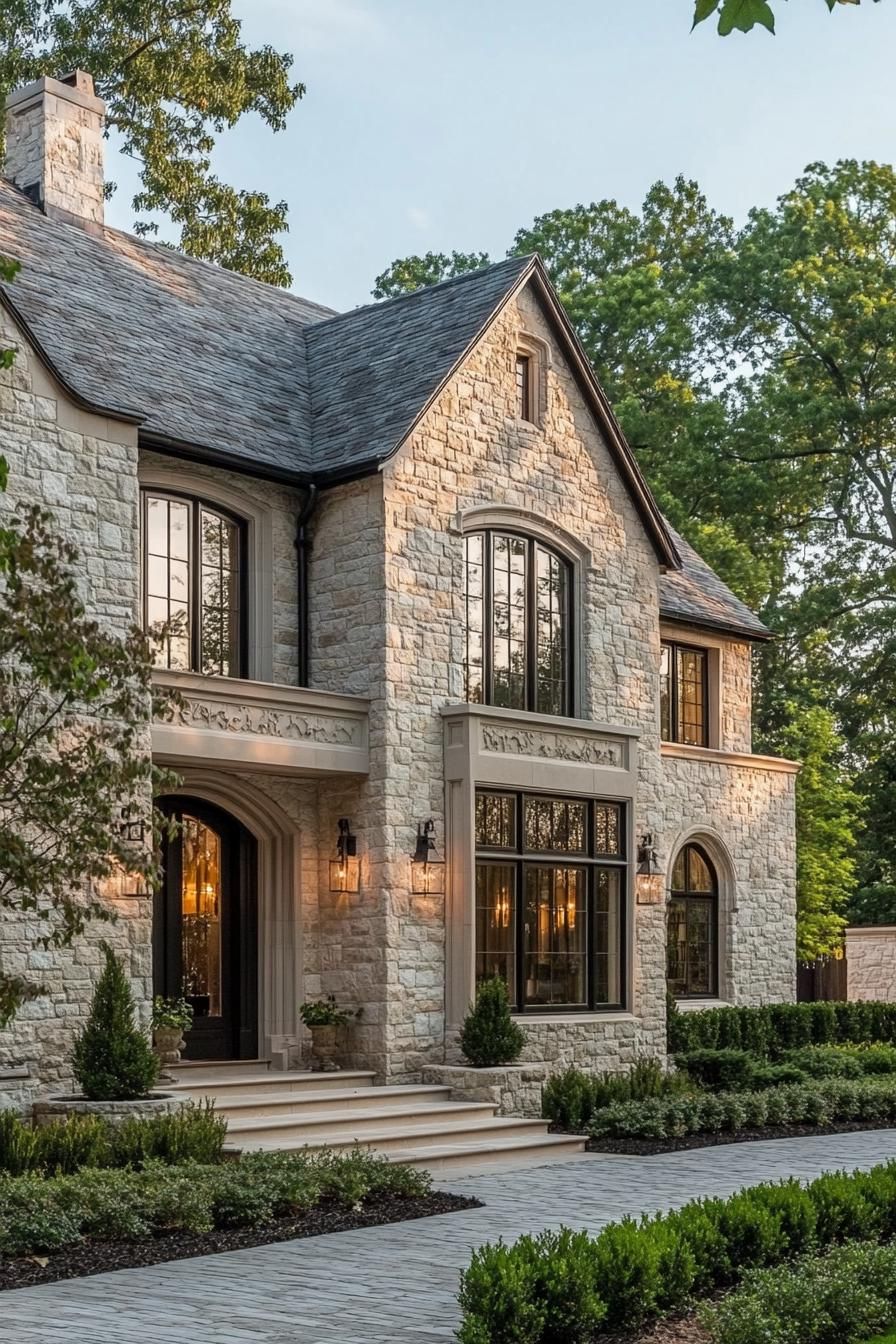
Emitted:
pixel 692 942
pixel 519 624
pixel 193 580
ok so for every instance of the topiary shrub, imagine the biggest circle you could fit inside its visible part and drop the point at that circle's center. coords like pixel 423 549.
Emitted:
pixel 113 1060
pixel 489 1036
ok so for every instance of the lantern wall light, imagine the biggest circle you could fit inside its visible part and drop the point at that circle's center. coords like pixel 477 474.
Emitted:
pixel 427 869
pixel 345 868
pixel 650 883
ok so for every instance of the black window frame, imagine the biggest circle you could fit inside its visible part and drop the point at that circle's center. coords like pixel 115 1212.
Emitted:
pixel 533 545
pixel 691 899
pixel 196 504
pixel 676 647
pixel 525 400
pixel 520 859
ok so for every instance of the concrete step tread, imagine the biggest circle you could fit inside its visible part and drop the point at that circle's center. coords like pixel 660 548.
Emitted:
pixel 273 1079
pixel 496 1146
pixel 462 1111
pixel 336 1095
pixel 497 1125
pixel 185 1065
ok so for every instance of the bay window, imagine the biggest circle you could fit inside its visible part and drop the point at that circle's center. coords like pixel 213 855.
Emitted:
pixel 551 877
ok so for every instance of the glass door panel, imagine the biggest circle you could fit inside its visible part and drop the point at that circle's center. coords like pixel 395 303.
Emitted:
pixel 201 917
pixel 555 935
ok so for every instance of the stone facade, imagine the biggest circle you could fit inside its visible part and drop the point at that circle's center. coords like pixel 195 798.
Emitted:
pixel 387 626
pixel 513 1089
pixel 871 963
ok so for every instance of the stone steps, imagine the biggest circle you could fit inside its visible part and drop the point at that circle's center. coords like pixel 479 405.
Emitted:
pixel 272 1111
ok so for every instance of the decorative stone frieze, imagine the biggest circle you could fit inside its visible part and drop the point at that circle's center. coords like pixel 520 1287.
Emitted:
pixel 552 746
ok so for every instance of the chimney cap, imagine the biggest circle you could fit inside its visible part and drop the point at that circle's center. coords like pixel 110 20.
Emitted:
pixel 80 80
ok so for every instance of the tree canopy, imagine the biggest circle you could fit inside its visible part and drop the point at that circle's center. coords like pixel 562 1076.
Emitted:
pixel 753 372
pixel 743 15
pixel 174 76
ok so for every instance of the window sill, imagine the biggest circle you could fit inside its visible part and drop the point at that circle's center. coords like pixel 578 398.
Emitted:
pixel 540 1019
pixel 680 751
pixel 696 1005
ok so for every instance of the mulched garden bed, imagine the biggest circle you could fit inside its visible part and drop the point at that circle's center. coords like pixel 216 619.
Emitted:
pixel 652 1147
pixel 97 1257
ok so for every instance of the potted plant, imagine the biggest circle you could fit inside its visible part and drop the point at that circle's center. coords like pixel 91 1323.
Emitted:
pixel 323 1018
pixel 170 1019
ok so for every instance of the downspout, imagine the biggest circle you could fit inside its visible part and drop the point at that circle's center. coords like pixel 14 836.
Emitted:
pixel 303 550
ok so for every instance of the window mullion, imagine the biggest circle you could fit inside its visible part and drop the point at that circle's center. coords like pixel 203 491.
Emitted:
pixel 531 634
pixel 195 553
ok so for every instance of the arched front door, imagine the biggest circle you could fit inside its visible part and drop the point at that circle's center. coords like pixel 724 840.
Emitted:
pixel 205 941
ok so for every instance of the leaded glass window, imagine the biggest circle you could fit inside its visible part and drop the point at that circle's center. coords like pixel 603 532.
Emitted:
pixel 684 695
pixel 518 600
pixel 551 879
pixel 192 585
pixel 692 937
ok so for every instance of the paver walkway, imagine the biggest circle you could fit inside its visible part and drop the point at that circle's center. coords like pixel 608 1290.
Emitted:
pixel 396 1285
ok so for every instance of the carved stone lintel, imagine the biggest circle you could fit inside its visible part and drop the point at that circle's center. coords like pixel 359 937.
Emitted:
pixel 548 745
pixel 232 717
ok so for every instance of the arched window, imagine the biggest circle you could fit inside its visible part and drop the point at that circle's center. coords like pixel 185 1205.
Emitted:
pixel 692 942
pixel 519 624
pixel 193 580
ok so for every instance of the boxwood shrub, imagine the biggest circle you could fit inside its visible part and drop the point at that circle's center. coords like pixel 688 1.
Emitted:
pixel 568 1287
pixel 838 1298
pixel 44 1214
pixel 770 1030
pixel 570 1099
pixel 822 1101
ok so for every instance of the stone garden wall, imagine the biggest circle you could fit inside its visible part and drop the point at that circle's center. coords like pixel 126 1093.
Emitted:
pixel 871 963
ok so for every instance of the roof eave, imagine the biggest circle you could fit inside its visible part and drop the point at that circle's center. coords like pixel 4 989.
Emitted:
pixel 729 628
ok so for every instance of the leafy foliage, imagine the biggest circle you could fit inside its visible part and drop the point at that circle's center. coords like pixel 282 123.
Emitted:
pixel 489 1035
pixel 744 15
pixel 174 77
pixel 772 1030
pixel 631 1272
pixel 112 1058
pixel 191 1134
pixel 74 752
pixel 569 1099
pixel 40 1214
pixel 411 273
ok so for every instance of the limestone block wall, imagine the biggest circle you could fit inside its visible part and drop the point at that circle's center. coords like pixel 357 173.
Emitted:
pixel 84 470
pixel 743 813
pixel 871 963
pixel 471 451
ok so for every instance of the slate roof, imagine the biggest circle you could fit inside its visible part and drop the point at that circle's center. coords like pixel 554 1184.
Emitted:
pixel 696 595
pixel 224 367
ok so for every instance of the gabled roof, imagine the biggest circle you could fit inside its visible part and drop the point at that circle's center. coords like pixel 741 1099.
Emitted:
pixel 222 368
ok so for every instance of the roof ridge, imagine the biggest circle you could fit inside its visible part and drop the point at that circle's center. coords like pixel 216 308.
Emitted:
pixel 379 305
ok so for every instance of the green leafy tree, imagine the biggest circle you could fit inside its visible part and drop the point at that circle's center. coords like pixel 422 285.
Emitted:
pixel 410 273
pixel 174 76
pixel 827 810
pixel 113 1060
pixel 75 755
pixel 743 15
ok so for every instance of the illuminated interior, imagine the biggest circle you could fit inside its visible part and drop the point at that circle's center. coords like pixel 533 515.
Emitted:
pixel 201 916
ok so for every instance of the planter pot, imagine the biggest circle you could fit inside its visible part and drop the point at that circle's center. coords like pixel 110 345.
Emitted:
pixel 324 1049
pixel 62 1108
pixel 167 1043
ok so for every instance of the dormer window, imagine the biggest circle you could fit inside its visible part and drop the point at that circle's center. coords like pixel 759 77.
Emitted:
pixel 193 572
pixel 524 390
pixel 519 624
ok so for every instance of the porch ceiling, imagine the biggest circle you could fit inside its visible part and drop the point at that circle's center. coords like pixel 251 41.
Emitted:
pixel 255 726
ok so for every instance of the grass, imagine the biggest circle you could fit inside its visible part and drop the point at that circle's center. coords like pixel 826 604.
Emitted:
pixel 888 1338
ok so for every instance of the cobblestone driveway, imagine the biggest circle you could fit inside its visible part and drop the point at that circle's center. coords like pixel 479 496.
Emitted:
pixel 395 1285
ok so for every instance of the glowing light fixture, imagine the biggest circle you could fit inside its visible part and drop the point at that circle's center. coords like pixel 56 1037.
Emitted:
pixel 427 869
pixel 650 883
pixel 345 869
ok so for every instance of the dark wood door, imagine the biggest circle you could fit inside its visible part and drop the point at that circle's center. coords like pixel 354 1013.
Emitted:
pixel 205 942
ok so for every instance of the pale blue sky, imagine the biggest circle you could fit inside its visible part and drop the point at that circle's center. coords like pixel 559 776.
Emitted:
pixel 440 124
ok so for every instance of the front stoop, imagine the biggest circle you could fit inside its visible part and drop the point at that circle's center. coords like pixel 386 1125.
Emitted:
pixel 418 1124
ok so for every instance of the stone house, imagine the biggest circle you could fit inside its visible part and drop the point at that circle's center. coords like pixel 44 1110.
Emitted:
pixel 456 699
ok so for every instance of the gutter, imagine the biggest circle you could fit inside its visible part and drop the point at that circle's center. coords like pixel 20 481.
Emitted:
pixel 303 551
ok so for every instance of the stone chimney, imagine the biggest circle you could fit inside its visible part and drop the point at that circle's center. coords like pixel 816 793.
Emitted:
pixel 54 147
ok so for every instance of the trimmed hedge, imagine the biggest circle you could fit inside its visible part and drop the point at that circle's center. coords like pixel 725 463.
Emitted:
pixel 776 1027
pixel 193 1134
pixel 823 1101
pixel 569 1288
pixel 570 1099
pixel 46 1214
pixel 838 1298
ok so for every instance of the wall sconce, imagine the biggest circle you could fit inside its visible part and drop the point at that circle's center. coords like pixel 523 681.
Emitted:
pixel 345 870
pixel 427 870
pixel 650 884
pixel 132 829
pixel 123 885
